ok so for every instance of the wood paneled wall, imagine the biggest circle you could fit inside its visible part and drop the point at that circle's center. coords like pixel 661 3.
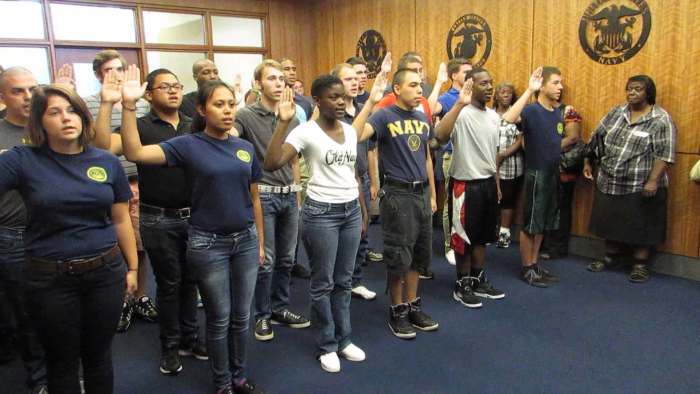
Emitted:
pixel 528 33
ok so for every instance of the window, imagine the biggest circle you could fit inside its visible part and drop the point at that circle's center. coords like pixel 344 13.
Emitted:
pixel 32 58
pixel 88 23
pixel 22 19
pixel 235 31
pixel 179 63
pixel 173 28
pixel 230 64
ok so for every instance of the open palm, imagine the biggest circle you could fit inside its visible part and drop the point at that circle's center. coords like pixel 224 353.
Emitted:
pixel 287 108
pixel 132 89
pixel 535 80
pixel 111 88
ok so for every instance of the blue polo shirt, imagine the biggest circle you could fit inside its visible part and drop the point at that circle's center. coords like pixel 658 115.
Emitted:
pixel 543 130
pixel 402 137
pixel 68 198
pixel 220 173
pixel 448 100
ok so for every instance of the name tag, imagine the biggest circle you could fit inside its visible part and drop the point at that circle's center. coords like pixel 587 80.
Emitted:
pixel 638 133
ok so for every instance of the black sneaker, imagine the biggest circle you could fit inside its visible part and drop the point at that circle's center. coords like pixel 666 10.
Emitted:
pixel 546 274
pixel 464 294
pixel 170 363
pixel 289 318
pixel 197 350
pixel 299 271
pixel 503 240
pixel 145 310
pixel 425 273
pixel 247 387
pixel 125 318
pixel 530 276
pixel 263 330
pixel 225 389
pixel 420 319
pixel 39 389
pixel 484 289
pixel 399 323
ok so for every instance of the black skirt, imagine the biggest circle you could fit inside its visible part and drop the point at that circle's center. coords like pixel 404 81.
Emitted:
pixel 631 218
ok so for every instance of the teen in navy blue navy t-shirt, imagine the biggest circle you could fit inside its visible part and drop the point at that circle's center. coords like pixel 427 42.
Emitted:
pixel 543 130
pixel 77 213
pixel 225 245
pixel 402 135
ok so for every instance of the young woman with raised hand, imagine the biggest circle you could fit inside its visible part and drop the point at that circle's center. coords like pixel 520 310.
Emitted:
pixel 78 236
pixel 225 242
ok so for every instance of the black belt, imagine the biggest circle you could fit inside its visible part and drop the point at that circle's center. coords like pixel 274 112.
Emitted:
pixel 74 266
pixel 407 186
pixel 177 213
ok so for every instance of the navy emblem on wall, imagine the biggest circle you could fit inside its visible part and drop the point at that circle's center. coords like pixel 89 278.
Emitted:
pixel 470 38
pixel 612 31
pixel 372 48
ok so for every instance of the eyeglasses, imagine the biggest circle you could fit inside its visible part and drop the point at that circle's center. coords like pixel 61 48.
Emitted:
pixel 637 89
pixel 166 87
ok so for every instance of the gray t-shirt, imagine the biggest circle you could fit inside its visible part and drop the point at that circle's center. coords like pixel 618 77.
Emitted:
pixel 142 108
pixel 475 144
pixel 256 124
pixel 12 211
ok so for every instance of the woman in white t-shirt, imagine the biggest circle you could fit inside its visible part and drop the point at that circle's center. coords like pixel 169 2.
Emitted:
pixel 331 214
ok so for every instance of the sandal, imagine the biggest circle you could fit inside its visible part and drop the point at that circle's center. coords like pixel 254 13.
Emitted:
pixel 639 274
pixel 597 266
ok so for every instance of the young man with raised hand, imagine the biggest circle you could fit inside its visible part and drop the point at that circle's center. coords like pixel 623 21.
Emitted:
pixel 407 206
pixel 473 129
pixel 280 203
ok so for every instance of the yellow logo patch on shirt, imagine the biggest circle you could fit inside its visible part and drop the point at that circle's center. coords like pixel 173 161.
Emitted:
pixel 560 128
pixel 244 156
pixel 97 174
pixel 413 142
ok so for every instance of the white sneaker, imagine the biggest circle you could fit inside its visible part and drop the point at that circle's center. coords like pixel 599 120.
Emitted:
pixel 330 362
pixel 363 292
pixel 353 353
pixel 450 256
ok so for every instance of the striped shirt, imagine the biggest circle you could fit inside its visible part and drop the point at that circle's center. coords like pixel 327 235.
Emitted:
pixel 142 108
pixel 626 151
pixel 513 165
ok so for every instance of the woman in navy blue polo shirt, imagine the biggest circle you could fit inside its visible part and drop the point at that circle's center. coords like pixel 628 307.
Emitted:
pixel 225 243
pixel 78 235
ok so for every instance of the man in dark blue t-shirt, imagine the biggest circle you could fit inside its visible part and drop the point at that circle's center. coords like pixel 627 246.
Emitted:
pixel 406 209
pixel 543 130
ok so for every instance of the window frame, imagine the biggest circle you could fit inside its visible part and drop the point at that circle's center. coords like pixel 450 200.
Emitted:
pixel 208 48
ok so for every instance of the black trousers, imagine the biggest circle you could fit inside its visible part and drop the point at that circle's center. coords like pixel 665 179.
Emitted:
pixel 556 242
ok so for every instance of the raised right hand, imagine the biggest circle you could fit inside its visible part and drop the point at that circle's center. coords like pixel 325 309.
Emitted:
pixel 465 94
pixel 132 88
pixel 287 108
pixel 111 88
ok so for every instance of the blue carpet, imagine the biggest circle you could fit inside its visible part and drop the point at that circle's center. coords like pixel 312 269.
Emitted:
pixel 592 333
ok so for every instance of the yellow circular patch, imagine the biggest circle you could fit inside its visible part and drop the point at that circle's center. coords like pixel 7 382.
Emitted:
pixel 97 174
pixel 413 142
pixel 243 155
pixel 560 128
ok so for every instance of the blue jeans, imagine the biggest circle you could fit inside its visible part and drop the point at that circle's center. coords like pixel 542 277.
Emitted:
pixel 12 286
pixel 280 217
pixel 364 243
pixel 331 238
pixel 225 267
pixel 165 240
pixel 75 316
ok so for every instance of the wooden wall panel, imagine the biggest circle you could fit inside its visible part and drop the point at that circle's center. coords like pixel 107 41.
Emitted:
pixel 394 19
pixel 511 27
pixel 594 89
pixel 683 234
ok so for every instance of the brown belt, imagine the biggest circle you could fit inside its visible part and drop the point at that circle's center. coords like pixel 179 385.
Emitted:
pixel 75 266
